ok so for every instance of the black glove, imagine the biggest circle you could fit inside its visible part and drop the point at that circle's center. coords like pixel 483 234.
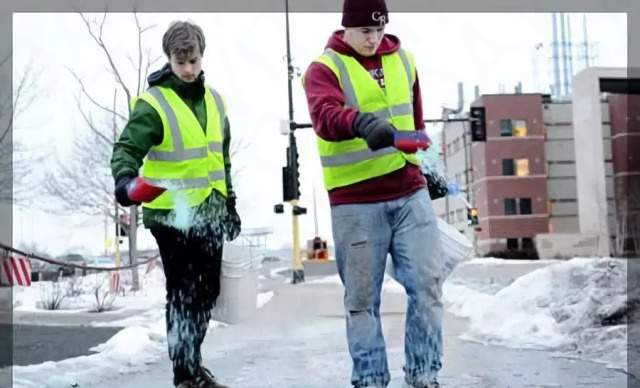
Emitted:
pixel 121 191
pixel 437 185
pixel 378 133
pixel 232 224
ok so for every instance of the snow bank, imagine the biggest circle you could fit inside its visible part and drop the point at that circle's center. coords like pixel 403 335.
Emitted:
pixel 263 298
pixel 79 293
pixel 129 351
pixel 570 307
pixel 143 340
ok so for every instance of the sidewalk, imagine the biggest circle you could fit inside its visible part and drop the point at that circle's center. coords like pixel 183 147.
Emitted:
pixel 298 341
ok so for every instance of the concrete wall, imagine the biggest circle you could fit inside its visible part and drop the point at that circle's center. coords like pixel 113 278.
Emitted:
pixel 590 153
pixel 567 245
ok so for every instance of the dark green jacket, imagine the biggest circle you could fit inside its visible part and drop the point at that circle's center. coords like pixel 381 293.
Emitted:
pixel 144 130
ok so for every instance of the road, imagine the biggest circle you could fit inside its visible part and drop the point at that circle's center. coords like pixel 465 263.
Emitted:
pixel 298 340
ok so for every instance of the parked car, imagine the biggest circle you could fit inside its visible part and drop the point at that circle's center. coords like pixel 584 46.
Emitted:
pixel 41 270
pixel 101 261
pixel 73 258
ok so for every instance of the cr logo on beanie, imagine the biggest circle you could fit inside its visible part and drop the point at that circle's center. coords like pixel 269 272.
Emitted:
pixel 364 13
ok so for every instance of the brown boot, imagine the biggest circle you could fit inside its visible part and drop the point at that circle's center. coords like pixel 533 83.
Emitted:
pixel 207 379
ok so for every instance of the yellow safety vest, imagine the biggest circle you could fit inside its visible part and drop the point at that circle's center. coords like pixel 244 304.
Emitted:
pixel 189 161
pixel 351 161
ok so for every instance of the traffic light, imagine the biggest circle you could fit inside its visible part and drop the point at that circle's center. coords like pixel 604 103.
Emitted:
pixel 291 174
pixel 478 124
pixel 287 185
pixel 472 216
pixel 298 210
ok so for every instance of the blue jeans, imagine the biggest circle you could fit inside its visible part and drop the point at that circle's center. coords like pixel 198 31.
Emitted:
pixel 364 234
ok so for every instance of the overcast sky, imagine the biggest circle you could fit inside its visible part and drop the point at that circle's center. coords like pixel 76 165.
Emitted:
pixel 244 61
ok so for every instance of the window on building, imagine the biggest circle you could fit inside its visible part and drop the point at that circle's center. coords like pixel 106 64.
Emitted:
pixel 509 127
pixel 525 205
pixel 510 206
pixel 505 128
pixel 519 167
pixel 527 243
pixel 522 167
pixel 507 167
pixel 512 243
pixel 519 128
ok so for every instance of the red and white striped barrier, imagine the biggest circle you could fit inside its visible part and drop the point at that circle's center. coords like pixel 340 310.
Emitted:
pixel 114 282
pixel 16 270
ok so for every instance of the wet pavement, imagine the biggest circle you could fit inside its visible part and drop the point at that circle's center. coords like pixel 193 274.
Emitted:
pixel 298 341
pixel 33 344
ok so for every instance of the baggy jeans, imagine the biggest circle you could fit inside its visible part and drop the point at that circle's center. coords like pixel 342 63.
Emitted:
pixel 364 234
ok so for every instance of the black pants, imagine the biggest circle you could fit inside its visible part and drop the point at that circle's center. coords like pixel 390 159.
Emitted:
pixel 191 263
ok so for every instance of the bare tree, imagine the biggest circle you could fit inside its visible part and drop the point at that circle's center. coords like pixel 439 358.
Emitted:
pixel 84 184
pixel 14 161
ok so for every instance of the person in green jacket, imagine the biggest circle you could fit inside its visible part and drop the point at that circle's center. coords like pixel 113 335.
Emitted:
pixel 178 137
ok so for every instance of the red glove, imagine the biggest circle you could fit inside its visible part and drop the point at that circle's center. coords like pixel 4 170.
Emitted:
pixel 140 190
pixel 411 141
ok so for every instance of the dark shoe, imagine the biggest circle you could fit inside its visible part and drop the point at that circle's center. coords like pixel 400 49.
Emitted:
pixel 199 383
pixel 422 383
pixel 205 379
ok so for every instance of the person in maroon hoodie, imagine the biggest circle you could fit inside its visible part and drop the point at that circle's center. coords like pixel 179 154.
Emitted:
pixel 364 99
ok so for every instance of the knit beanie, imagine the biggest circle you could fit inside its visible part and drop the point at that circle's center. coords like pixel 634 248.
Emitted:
pixel 364 13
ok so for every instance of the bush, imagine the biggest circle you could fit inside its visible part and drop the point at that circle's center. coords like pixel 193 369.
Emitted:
pixel 104 298
pixel 51 295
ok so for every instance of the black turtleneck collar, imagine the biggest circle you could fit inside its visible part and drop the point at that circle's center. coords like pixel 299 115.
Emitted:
pixel 186 90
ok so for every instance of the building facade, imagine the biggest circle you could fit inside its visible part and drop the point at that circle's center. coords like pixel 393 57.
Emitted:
pixel 522 179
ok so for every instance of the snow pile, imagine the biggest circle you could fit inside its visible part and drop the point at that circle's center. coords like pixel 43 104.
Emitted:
pixel 129 351
pixel 79 293
pixel 572 307
pixel 263 298
pixel 143 341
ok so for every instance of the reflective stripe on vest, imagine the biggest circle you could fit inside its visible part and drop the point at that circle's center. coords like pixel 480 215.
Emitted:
pixel 189 161
pixel 351 161
pixel 350 94
pixel 188 183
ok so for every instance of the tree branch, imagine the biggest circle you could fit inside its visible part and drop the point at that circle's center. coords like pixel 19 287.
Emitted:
pixel 93 101
pixel 16 107
pixel 102 46
pixel 135 16
pixel 90 123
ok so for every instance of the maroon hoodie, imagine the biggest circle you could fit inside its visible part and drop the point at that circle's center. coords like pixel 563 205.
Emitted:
pixel 333 121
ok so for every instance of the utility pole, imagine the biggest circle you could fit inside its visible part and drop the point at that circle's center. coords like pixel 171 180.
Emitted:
pixel 115 202
pixel 132 229
pixel 468 177
pixel 297 269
